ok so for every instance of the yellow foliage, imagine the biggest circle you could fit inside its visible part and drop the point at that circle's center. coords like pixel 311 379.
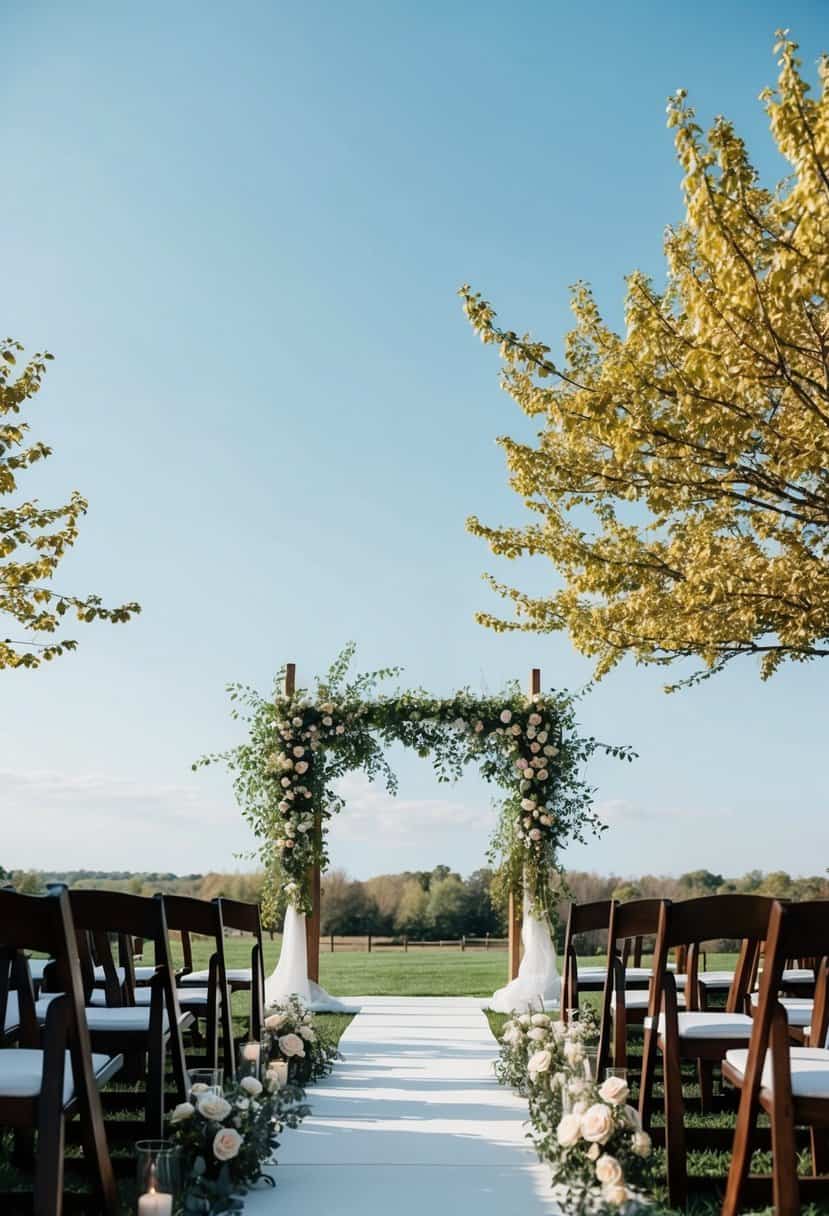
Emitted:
pixel 681 478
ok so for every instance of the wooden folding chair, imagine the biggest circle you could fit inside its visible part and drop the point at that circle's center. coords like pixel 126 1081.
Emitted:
pixel 144 1033
pixel 53 1076
pixel 623 1004
pixel 243 918
pixel 187 915
pixel 701 1036
pixel 790 1083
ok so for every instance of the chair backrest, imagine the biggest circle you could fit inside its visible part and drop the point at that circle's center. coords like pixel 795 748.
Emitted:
pixel 798 930
pixel 581 918
pixel 246 918
pixel 185 915
pixel 692 922
pixel 44 923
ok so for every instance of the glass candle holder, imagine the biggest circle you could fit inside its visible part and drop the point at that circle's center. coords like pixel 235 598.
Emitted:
pixel 158 1177
pixel 204 1081
pixel 279 1070
pixel 252 1058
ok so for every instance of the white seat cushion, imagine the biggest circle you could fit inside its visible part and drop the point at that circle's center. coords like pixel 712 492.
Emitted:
pixel 589 973
pixel 809 1065
pixel 798 1009
pixel 37 966
pixel 21 1073
pixel 239 975
pixel 143 996
pixel 128 1018
pixel 639 1000
pixel 798 975
pixel 143 975
pixel 709 1025
pixel 716 979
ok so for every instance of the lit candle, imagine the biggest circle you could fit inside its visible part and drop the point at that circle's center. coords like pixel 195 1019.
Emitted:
pixel 155 1203
pixel 250 1052
pixel 280 1071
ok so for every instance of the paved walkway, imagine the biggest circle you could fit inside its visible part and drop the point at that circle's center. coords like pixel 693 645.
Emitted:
pixel 411 1123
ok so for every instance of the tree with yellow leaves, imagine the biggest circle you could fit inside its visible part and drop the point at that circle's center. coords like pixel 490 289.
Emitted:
pixel 681 478
pixel 33 539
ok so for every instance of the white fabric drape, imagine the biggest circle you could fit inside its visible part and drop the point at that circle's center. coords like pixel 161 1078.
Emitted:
pixel 290 977
pixel 538 981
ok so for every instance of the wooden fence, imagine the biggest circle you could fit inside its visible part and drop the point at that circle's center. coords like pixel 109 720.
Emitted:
pixel 332 942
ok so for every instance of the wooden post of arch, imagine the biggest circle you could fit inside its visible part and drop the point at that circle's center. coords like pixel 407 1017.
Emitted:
pixel 312 922
pixel 516 900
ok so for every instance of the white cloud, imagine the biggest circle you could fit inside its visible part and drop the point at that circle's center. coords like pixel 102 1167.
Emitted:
pixel 620 812
pixel 371 811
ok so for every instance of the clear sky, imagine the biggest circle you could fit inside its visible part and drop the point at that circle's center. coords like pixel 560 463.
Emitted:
pixel 241 229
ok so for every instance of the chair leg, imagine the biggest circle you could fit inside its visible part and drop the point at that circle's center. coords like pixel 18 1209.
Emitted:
pixel 96 1152
pixel 705 1072
pixel 48 1181
pixel 783 1146
pixel 675 1152
pixel 647 1076
pixel 154 1106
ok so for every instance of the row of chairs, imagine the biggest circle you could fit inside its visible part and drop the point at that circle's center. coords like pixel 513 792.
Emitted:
pixel 88 1011
pixel 769 1042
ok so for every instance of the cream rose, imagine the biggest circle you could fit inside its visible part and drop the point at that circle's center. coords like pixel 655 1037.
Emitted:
pixel 536 1034
pixel 506 716
pixel 251 1086
pixel 214 1107
pixel 184 1110
pixel 308 1034
pixel 275 1021
pixel 539 1062
pixel 573 1053
pixel 608 1170
pixel 597 1124
pixel 614 1090
pixel 226 1144
pixel 291 1045
pixel 541 1019
pixel 641 1144
pixel 593 1152
pixel 568 1131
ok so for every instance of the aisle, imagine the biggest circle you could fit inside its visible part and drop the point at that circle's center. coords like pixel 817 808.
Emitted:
pixel 411 1123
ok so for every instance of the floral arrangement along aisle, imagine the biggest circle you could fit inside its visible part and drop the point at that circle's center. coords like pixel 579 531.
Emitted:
pixel 225 1140
pixel 294 1036
pixel 581 1126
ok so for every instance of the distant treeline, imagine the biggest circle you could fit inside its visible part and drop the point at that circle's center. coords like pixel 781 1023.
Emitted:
pixel 428 904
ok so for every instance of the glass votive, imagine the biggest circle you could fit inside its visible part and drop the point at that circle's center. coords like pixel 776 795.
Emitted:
pixel 158 1167
pixel 278 1069
pixel 591 1061
pixel 620 1073
pixel 204 1081
pixel 252 1057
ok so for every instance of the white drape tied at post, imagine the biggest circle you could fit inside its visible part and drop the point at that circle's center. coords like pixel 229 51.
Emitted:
pixel 290 977
pixel 538 981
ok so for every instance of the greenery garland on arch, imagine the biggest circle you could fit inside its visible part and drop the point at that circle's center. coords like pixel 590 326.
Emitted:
pixel 298 746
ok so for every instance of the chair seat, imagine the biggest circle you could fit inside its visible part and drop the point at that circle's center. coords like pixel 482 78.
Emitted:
pixel 36 968
pixel 240 975
pixel 128 1019
pixel 143 975
pixel 639 1000
pixel 716 979
pixel 21 1072
pixel 798 1009
pixel 706 1025
pixel 809 1065
pixel 143 996
pixel 798 975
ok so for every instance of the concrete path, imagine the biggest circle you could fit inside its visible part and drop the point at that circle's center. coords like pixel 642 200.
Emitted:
pixel 411 1123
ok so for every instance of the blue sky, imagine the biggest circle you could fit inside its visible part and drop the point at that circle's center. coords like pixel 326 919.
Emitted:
pixel 241 232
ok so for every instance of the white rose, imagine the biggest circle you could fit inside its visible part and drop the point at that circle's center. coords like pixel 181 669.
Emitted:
pixel 479 726
pixel 608 1170
pixel 541 1019
pixel 542 736
pixel 214 1107
pixel 641 1144
pixel 184 1110
pixel 327 721
pixel 340 729
pixel 593 1152
pixel 573 1053
pixel 506 716
pixel 543 774
pixel 535 748
pixel 307 1034
pixel 515 729
pixel 251 1086
pixel 291 1045
pixel 226 1144
pixel 537 1034
pixel 535 834
pixel 525 1019
pixel 545 819
pixel 297 721
pixel 539 1062
pixel 528 804
pixel 275 1021
pixel 299 752
pixel 578 1109
pixel 534 719
pixel 597 1124
pixel 568 1131
pixel 302 766
pixel 617 1194
pixel 615 1091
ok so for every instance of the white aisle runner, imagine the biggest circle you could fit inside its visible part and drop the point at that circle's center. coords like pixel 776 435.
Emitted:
pixel 411 1123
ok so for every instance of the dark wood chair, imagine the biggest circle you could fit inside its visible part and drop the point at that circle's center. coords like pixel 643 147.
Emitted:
pixel 244 918
pixel 144 1033
pixel 701 1036
pixel 789 1083
pixel 52 1075
pixel 187 915
pixel 582 918
pixel 624 1005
